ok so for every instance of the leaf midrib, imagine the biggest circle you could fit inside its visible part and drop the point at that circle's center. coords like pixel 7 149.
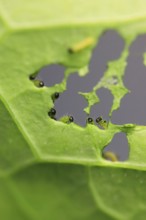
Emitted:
pixel 21 128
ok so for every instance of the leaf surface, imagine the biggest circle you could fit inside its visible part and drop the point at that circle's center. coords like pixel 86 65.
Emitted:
pixel 52 170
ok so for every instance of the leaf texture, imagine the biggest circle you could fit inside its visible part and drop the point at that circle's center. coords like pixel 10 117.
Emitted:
pixel 48 169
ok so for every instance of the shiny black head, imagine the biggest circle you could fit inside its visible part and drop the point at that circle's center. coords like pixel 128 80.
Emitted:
pixel 98 119
pixel 56 95
pixel 52 112
pixel 32 77
pixel 41 84
pixel 90 120
pixel 71 119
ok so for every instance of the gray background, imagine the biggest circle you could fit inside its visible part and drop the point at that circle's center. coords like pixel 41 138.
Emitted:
pixel 133 105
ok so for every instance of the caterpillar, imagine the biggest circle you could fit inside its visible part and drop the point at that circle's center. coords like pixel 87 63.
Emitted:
pixel 89 41
pixel 67 119
pixel 33 76
pixel 90 121
pixel 52 113
pixel 101 122
pixel 55 96
pixel 108 155
pixel 38 83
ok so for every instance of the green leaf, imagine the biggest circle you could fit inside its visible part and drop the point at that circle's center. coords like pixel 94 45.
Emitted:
pixel 49 169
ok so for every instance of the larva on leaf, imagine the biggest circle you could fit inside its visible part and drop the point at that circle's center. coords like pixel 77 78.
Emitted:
pixel 89 41
pixel 66 119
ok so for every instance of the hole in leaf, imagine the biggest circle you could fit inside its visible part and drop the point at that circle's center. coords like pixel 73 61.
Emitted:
pixel 118 146
pixel 36 82
pixel 71 103
pixel 51 75
pixel 110 45
pixel 133 105
pixel 109 48
pixel 103 107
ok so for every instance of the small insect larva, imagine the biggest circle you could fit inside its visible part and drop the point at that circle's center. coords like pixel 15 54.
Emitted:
pixel 55 96
pixel 71 119
pixel 67 119
pixel 32 77
pixel 52 113
pixel 108 155
pixel 102 123
pixel 38 83
pixel 98 119
pixel 90 121
pixel 89 41
pixel 41 84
